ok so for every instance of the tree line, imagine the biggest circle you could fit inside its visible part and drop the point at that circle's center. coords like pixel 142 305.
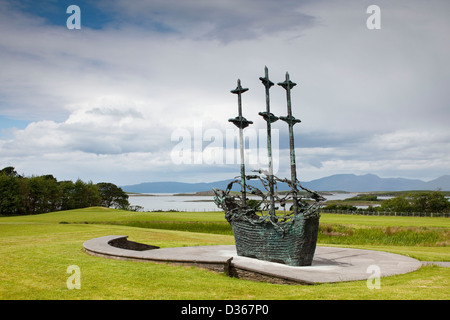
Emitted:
pixel 423 201
pixel 21 195
pixel 426 202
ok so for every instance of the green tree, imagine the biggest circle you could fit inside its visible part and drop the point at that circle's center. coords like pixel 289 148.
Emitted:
pixel 52 193
pixel 40 194
pixel 9 172
pixel 424 202
pixel 67 200
pixel 85 195
pixel 430 201
pixel 10 195
pixel 43 194
pixel 112 196
pixel 397 204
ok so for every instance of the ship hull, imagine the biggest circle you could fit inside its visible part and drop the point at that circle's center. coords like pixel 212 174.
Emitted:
pixel 294 245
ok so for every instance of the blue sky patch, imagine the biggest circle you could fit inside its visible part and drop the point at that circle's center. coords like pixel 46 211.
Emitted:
pixel 7 123
pixel 55 12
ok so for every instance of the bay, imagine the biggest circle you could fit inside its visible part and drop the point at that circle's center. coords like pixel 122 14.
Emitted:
pixel 192 203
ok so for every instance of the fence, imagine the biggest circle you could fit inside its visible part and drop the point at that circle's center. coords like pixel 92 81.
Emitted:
pixel 388 213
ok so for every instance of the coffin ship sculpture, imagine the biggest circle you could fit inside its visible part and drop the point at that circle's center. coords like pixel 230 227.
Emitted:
pixel 264 230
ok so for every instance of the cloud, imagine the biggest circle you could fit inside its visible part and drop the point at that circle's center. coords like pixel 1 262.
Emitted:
pixel 418 153
pixel 224 21
pixel 106 126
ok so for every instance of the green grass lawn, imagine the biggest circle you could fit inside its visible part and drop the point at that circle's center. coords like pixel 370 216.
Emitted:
pixel 36 250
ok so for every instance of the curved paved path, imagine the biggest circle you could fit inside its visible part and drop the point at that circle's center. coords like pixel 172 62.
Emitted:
pixel 330 264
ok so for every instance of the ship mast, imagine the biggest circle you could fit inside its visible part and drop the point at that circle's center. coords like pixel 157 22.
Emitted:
pixel 241 123
pixel 270 118
pixel 291 121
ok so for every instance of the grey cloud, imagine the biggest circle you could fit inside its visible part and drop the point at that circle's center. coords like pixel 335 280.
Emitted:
pixel 216 19
pixel 116 112
pixel 96 129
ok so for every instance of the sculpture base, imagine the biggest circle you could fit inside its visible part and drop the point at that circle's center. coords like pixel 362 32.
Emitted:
pixel 264 241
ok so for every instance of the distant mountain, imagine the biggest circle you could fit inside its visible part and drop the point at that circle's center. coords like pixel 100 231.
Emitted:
pixel 182 187
pixel 371 182
pixel 442 183
pixel 363 183
pixel 342 182
pixel 174 187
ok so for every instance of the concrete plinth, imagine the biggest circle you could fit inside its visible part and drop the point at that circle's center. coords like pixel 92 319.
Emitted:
pixel 330 264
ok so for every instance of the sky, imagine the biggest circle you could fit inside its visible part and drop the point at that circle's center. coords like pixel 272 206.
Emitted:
pixel 141 92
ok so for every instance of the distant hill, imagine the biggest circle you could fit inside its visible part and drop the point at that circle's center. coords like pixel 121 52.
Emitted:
pixel 181 187
pixel 174 187
pixel 363 183
pixel 442 183
pixel 342 182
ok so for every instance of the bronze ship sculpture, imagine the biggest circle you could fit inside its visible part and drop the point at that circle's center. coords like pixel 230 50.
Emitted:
pixel 261 230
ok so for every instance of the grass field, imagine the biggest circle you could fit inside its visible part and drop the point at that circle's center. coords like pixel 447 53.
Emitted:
pixel 36 251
